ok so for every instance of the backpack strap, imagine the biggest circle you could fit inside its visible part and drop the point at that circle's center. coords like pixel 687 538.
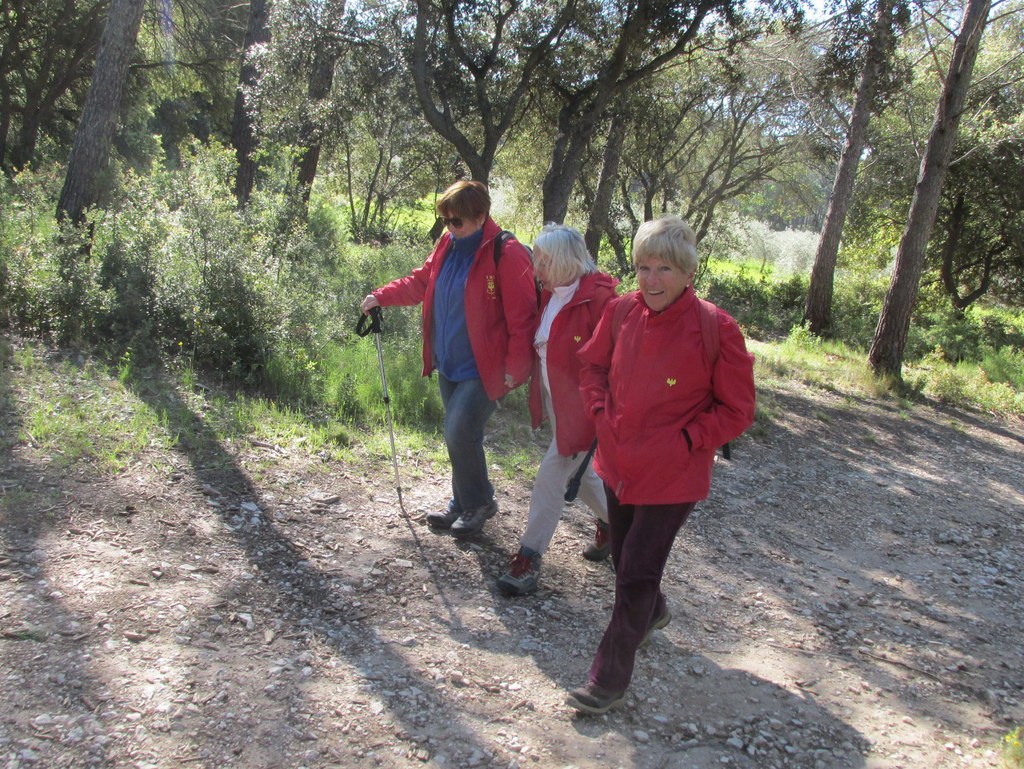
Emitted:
pixel 499 244
pixel 712 346
pixel 625 303
pixel 709 330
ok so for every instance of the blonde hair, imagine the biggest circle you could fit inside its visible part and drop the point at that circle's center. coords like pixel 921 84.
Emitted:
pixel 564 253
pixel 668 238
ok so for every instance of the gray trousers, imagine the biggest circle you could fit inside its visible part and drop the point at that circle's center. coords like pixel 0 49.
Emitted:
pixel 548 496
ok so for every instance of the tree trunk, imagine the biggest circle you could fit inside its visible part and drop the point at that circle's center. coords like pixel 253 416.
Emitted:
pixel 575 129
pixel 443 120
pixel 24 148
pixel 598 223
pixel 61 58
pixel 243 138
pixel 91 148
pixel 10 54
pixel 500 81
pixel 310 135
pixel 886 354
pixel 5 126
pixel 818 310
pixel 955 229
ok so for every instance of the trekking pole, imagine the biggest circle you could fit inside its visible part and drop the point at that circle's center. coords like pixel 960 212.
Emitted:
pixel 574 483
pixel 376 327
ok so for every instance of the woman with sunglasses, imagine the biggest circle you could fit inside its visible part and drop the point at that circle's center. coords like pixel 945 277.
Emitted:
pixel 479 315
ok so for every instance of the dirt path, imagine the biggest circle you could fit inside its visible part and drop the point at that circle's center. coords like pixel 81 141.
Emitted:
pixel 849 597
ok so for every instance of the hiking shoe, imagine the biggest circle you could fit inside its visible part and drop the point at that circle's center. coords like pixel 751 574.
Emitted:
pixel 445 518
pixel 601 547
pixel 471 521
pixel 521 577
pixel 594 700
pixel 657 624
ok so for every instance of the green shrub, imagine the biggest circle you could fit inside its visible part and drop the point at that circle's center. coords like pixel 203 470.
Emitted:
pixel 175 273
pixel 32 293
pixel 783 252
pixel 801 338
pixel 947 329
pixel 1005 365
pixel 765 308
pixel 1002 327
pixel 352 377
pixel 856 302
pixel 966 385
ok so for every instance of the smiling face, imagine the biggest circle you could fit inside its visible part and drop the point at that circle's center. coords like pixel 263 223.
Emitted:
pixel 661 282
pixel 665 258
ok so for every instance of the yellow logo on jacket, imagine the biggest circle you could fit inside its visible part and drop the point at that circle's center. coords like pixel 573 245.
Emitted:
pixel 671 382
pixel 492 291
pixel 577 339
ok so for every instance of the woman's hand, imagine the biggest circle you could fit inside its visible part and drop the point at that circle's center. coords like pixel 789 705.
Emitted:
pixel 368 304
pixel 509 381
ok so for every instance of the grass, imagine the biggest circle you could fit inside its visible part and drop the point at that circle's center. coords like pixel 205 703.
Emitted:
pixel 837 367
pixel 831 366
pixel 964 385
pixel 74 409
pixel 79 412
pixel 110 417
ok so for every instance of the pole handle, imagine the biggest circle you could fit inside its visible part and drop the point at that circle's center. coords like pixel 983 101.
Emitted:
pixel 376 322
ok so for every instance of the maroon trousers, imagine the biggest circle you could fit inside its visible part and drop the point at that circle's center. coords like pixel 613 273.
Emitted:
pixel 641 540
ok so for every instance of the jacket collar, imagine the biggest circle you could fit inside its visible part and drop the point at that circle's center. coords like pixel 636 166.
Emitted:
pixel 491 230
pixel 675 310
pixel 589 284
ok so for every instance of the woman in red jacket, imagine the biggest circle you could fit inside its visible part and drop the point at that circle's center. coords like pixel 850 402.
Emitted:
pixel 574 294
pixel 479 314
pixel 662 404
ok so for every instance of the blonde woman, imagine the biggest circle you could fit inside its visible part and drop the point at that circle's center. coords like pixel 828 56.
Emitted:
pixel 661 405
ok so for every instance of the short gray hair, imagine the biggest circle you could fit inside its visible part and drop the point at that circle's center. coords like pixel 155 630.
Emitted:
pixel 565 253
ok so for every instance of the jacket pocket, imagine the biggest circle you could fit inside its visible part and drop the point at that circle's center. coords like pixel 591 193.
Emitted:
pixel 657 459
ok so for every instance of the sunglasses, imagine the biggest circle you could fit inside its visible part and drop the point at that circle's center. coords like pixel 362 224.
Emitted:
pixel 455 221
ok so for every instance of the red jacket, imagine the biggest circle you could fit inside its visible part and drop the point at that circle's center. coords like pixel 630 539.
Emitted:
pixel 648 381
pixel 570 330
pixel 501 308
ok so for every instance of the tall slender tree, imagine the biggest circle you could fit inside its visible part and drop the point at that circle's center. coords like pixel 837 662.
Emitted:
pixel 616 48
pixel 315 43
pixel 886 353
pixel 91 149
pixel 702 133
pixel 877 58
pixel 598 223
pixel 243 135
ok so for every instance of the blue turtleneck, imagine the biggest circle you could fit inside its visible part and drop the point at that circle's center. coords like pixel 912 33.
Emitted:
pixel 453 355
